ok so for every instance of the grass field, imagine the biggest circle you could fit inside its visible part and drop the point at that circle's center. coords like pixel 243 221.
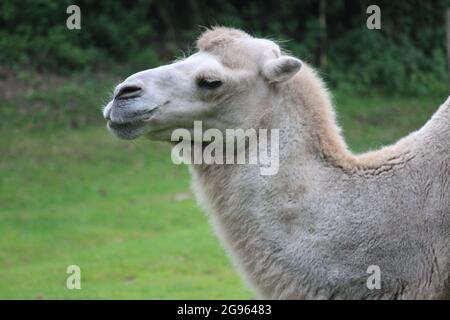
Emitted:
pixel 121 210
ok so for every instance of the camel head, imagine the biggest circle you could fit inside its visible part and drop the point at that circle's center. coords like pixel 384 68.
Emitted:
pixel 227 84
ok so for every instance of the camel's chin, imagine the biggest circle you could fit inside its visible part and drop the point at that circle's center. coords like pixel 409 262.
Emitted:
pixel 127 131
pixel 161 135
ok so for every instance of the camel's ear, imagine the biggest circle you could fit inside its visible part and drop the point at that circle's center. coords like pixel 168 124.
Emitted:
pixel 281 69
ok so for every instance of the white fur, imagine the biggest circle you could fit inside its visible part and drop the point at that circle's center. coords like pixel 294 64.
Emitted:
pixel 312 230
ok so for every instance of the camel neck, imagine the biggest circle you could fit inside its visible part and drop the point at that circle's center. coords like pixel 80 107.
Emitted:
pixel 252 214
pixel 304 108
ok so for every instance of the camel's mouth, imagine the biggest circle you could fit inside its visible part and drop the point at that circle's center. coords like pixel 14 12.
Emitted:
pixel 128 130
pixel 125 124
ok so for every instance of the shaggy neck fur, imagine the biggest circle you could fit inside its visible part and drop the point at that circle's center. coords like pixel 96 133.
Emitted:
pixel 310 111
pixel 308 232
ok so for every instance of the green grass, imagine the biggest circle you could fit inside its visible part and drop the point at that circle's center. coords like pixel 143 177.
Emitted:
pixel 122 211
pixel 81 197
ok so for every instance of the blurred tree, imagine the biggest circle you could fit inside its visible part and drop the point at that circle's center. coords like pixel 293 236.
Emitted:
pixel 448 44
pixel 323 33
pixel 407 55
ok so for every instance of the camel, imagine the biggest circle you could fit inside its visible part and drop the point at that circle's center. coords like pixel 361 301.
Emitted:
pixel 314 229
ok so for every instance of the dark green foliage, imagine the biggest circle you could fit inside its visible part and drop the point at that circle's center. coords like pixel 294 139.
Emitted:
pixel 406 56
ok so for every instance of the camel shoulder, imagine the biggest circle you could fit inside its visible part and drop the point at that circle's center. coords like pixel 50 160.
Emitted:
pixel 437 129
pixel 432 142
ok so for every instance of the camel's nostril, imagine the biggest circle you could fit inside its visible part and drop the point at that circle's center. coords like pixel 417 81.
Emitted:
pixel 128 91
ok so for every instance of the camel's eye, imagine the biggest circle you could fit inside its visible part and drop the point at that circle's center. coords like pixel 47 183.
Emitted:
pixel 208 83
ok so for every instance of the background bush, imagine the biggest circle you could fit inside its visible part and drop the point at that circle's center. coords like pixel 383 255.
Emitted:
pixel 407 56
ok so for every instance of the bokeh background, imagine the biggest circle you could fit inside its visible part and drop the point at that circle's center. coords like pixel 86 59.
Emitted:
pixel 72 194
